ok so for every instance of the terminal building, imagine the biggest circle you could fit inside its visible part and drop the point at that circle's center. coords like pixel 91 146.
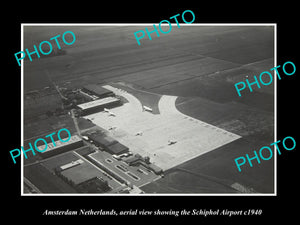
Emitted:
pixel 137 160
pixel 60 147
pixel 97 90
pixel 98 105
pixel 117 149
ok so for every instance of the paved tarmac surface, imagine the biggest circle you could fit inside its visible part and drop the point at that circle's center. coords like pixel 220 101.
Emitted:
pixel 193 137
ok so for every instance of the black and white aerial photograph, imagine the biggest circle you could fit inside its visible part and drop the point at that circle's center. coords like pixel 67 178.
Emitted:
pixel 162 117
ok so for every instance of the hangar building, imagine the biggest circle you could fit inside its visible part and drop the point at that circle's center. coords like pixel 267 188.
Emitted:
pixel 60 147
pixel 117 149
pixel 98 105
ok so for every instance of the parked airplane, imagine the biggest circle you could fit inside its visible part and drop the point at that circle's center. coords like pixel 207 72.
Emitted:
pixel 112 114
pixel 112 128
pixel 146 108
pixel 109 112
pixel 171 142
pixel 139 133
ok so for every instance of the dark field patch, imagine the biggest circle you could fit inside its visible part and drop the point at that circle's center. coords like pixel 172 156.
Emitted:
pixel 45 181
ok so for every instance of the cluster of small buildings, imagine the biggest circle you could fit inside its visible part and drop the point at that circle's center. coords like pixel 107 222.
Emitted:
pixel 108 143
pixel 137 160
pixel 78 173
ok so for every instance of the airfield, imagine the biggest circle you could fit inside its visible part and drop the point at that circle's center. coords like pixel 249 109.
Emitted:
pixel 187 77
pixel 150 134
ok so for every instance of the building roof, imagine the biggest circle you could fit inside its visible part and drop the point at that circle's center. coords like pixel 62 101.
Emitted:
pixel 58 144
pixel 80 173
pixel 102 139
pixel 97 89
pixel 154 168
pixel 117 148
pixel 109 143
pixel 98 102
pixel 132 159
pixel 71 164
